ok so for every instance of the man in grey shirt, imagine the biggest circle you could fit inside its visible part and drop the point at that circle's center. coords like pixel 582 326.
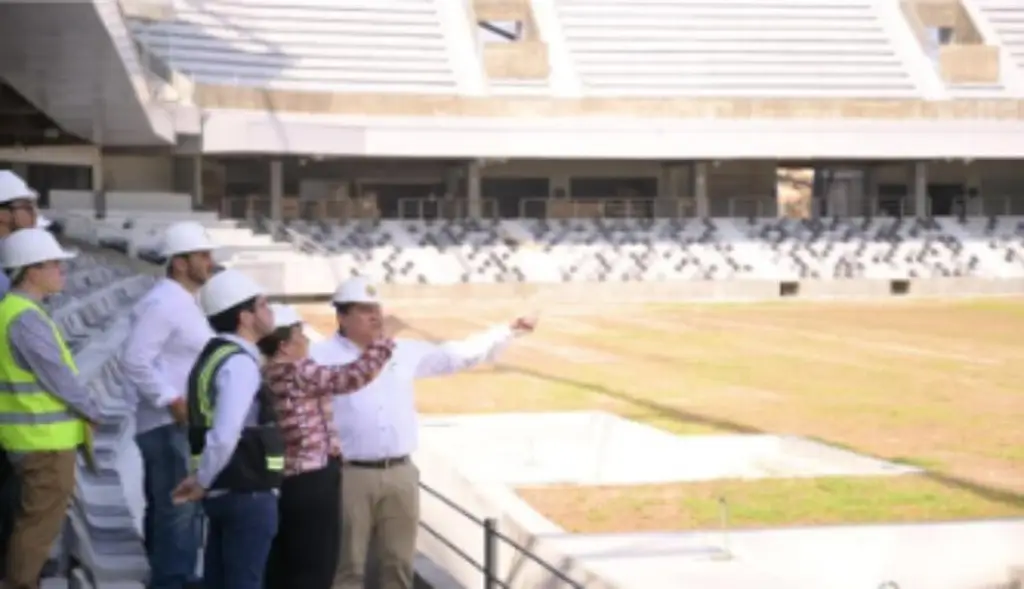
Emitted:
pixel 49 413
pixel 17 211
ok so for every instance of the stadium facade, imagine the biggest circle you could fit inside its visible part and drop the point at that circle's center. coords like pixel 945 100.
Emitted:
pixel 710 149
pixel 716 110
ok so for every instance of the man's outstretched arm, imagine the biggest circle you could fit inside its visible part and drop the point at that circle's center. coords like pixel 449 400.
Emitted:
pixel 439 359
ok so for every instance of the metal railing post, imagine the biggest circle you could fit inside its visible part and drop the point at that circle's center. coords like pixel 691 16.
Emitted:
pixel 490 553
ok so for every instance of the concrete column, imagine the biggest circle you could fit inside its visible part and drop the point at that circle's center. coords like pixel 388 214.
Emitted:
pixel 869 201
pixel 700 189
pixel 920 189
pixel 276 189
pixel 99 194
pixel 473 196
pixel 666 187
pixel 197 181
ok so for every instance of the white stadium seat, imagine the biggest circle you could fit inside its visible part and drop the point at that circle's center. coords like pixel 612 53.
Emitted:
pixel 800 48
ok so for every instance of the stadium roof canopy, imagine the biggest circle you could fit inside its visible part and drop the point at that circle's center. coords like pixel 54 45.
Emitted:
pixel 64 58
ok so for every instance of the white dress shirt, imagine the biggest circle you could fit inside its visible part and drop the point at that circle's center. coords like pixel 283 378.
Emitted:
pixel 379 420
pixel 237 380
pixel 168 332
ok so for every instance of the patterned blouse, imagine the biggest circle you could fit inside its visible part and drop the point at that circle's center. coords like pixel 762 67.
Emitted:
pixel 303 394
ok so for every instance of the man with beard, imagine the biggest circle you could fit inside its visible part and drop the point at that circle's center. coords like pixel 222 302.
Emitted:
pixel 168 334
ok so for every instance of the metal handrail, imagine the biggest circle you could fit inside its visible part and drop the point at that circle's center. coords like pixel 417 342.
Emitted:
pixel 489 567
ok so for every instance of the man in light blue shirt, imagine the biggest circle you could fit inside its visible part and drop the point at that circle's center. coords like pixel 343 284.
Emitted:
pixel 234 435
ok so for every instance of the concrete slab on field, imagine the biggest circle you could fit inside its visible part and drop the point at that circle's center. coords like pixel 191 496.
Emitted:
pixel 600 448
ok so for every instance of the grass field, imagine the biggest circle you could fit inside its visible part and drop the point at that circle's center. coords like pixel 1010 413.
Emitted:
pixel 931 383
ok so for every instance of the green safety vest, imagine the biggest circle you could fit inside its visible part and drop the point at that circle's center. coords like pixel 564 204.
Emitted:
pixel 31 418
pixel 258 460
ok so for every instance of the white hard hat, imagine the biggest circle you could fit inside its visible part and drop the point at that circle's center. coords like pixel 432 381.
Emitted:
pixel 186 237
pixel 285 315
pixel 356 290
pixel 12 187
pixel 31 246
pixel 226 289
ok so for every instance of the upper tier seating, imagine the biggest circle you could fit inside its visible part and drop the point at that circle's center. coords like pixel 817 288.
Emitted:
pixel 799 48
pixel 311 45
pixel 104 533
pixel 1007 18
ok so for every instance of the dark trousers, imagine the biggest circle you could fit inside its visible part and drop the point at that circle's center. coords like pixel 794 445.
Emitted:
pixel 173 533
pixel 10 498
pixel 305 552
pixel 241 529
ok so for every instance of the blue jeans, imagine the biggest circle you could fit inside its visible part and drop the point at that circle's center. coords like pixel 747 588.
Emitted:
pixel 173 532
pixel 242 527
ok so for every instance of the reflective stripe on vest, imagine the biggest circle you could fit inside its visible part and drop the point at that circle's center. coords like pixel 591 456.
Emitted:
pixel 205 381
pixel 32 419
pixel 204 384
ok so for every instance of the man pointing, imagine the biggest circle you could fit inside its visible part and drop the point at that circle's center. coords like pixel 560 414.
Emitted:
pixel 378 429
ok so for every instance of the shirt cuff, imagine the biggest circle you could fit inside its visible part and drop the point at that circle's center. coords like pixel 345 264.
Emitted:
pixel 166 397
pixel 203 476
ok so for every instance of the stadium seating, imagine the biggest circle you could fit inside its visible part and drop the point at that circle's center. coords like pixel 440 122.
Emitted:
pixel 1000 239
pixel 862 248
pixel 800 48
pixel 588 250
pixel 103 541
pixel 315 45
pixel 1007 19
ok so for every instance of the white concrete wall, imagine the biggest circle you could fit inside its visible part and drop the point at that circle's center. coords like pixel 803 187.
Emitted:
pixel 138 173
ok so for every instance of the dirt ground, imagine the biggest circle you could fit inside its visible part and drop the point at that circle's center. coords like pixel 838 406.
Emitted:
pixel 931 383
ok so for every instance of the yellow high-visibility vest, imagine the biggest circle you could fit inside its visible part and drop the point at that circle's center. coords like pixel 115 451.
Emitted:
pixel 32 419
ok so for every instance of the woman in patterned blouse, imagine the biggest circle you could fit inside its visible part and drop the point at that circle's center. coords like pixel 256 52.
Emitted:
pixel 305 551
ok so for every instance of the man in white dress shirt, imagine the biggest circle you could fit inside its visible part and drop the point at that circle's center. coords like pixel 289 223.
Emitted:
pixel 378 430
pixel 168 333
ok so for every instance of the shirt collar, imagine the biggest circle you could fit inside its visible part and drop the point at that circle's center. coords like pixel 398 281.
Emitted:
pixel 21 293
pixel 177 288
pixel 249 347
pixel 344 343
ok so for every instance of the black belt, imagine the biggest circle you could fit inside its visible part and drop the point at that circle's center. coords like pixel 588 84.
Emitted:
pixel 385 463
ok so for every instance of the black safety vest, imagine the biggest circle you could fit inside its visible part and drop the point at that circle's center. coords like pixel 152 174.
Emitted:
pixel 258 461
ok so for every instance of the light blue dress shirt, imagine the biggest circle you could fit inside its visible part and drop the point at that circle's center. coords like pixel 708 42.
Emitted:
pixel 237 381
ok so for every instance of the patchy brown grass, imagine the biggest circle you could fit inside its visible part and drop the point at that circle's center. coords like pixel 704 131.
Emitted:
pixel 936 384
pixel 750 504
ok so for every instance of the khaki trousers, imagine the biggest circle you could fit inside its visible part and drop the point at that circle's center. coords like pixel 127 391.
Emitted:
pixel 379 507
pixel 47 482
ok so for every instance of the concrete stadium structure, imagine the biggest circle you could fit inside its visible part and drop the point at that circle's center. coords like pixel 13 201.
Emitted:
pixel 646 150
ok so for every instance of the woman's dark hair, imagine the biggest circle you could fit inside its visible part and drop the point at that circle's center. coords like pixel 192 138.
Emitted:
pixel 271 344
pixel 229 320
